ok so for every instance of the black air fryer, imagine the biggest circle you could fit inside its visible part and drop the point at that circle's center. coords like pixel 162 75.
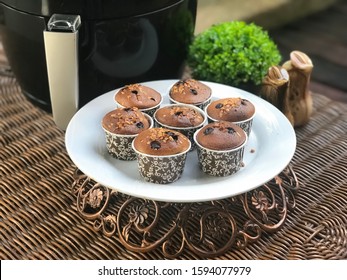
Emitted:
pixel 119 42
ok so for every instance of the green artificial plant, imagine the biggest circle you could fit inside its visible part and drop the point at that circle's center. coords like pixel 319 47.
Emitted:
pixel 232 53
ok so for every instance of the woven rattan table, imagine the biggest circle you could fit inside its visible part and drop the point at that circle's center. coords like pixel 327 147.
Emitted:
pixel 49 210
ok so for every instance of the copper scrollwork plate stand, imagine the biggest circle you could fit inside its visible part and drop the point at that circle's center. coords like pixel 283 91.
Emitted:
pixel 207 228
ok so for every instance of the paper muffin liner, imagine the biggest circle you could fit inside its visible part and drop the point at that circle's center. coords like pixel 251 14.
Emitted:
pixel 246 125
pixel 201 105
pixel 220 163
pixel 161 169
pixel 120 146
pixel 186 131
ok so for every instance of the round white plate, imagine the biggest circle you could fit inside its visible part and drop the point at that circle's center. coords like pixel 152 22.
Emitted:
pixel 269 150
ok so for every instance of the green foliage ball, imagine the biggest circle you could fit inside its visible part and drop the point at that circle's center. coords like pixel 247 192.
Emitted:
pixel 232 53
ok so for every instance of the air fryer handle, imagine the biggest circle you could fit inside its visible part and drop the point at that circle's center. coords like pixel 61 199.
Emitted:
pixel 61 47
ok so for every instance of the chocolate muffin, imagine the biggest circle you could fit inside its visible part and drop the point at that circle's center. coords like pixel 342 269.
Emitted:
pixel 125 121
pixel 233 109
pixel 137 95
pixel 121 126
pixel 161 154
pixel 221 136
pixel 161 142
pixel 190 91
pixel 179 116
pixel 220 148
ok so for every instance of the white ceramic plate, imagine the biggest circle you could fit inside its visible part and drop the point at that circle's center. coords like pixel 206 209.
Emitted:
pixel 270 148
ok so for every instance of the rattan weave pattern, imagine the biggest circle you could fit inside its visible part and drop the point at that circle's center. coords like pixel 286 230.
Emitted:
pixel 39 219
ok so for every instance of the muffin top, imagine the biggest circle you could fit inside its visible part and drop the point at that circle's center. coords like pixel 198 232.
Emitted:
pixel 179 116
pixel 233 109
pixel 137 95
pixel 190 91
pixel 221 136
pixel 161 142
pixel 125 121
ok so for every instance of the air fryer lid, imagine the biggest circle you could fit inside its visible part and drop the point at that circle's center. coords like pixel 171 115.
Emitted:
pixel 90 9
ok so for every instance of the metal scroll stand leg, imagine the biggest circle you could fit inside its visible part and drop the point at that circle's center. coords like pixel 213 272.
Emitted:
pixel 208 229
